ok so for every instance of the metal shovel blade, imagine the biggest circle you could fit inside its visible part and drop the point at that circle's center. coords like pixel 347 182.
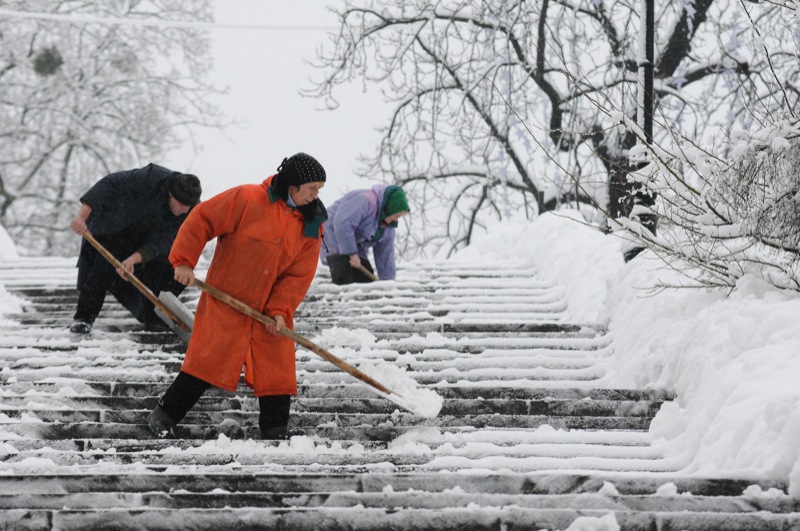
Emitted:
pixel 180 310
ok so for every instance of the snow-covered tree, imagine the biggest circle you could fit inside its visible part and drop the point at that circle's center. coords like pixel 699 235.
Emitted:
pixel 507 109
pixel 82 96
pixel 725 216
pixel 729 203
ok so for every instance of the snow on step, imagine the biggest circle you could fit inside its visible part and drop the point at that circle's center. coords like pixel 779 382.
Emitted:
pixel 527 437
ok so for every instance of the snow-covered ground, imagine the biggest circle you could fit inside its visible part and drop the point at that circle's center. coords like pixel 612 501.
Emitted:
pixel 732 359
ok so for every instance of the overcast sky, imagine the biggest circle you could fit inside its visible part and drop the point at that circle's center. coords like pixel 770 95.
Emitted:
pixel 264 70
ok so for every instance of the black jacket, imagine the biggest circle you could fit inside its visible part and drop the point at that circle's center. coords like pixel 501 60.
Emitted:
pixel 125 201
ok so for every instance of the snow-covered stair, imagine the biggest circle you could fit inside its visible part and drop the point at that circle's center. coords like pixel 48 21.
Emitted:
pixel 528 437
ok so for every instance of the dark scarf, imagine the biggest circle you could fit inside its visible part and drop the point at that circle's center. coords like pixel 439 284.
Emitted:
pixel 314 213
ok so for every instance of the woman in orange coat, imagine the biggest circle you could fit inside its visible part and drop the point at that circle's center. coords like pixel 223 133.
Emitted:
pixel 268 245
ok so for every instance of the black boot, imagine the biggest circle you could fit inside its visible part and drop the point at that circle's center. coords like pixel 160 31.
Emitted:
pixel 273 417
pixel 280 433
pixel 90 302
pixel 180 397
pixel 80 327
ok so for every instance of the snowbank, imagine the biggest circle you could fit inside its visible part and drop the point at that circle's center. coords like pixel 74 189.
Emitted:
pixel 732 359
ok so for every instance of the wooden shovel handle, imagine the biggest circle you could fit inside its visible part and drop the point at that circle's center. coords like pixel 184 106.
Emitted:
pixel 135 281
pixel 291 334
pixel 367 273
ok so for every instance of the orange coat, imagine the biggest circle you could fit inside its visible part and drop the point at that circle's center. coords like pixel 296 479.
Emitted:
pixel 262 259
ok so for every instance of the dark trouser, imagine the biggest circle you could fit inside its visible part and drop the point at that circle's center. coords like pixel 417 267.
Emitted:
pixel 96 277
pixel 273 411
pixel 343 273
pixel 186 390
pixel 182 395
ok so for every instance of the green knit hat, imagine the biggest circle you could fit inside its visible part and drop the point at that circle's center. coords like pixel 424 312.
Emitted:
pixel 395 202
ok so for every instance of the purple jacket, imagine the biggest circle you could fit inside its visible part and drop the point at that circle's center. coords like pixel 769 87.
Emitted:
pixel 352 227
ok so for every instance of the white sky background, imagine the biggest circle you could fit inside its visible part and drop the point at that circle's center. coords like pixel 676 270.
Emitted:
pixel 264 70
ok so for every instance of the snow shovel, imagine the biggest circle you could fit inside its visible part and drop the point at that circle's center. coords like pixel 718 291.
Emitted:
pixel 367 273
pixel 313 347
pixel 180 325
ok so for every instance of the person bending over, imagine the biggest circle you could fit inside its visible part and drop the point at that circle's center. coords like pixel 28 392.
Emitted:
pixel 135 215
pixel 358 221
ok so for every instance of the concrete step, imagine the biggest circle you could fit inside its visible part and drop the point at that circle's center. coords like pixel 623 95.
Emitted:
pixel 300 502
pixel 344 390
pixel 350 457
pixel 528 437
pixel 572 442
pixel 61 407
pixel 390 499
pixel 559 483
pixel 202 425
pixel 78 424
pixel 475 517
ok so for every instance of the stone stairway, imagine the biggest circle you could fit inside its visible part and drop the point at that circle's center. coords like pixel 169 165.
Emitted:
pixel 528 436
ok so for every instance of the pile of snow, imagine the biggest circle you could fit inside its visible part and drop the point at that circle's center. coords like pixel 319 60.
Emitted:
pixel 354 346
pixel 732 359
pixel 406 393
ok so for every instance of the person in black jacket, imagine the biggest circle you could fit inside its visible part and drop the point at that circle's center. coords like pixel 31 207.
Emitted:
pixel 135 214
